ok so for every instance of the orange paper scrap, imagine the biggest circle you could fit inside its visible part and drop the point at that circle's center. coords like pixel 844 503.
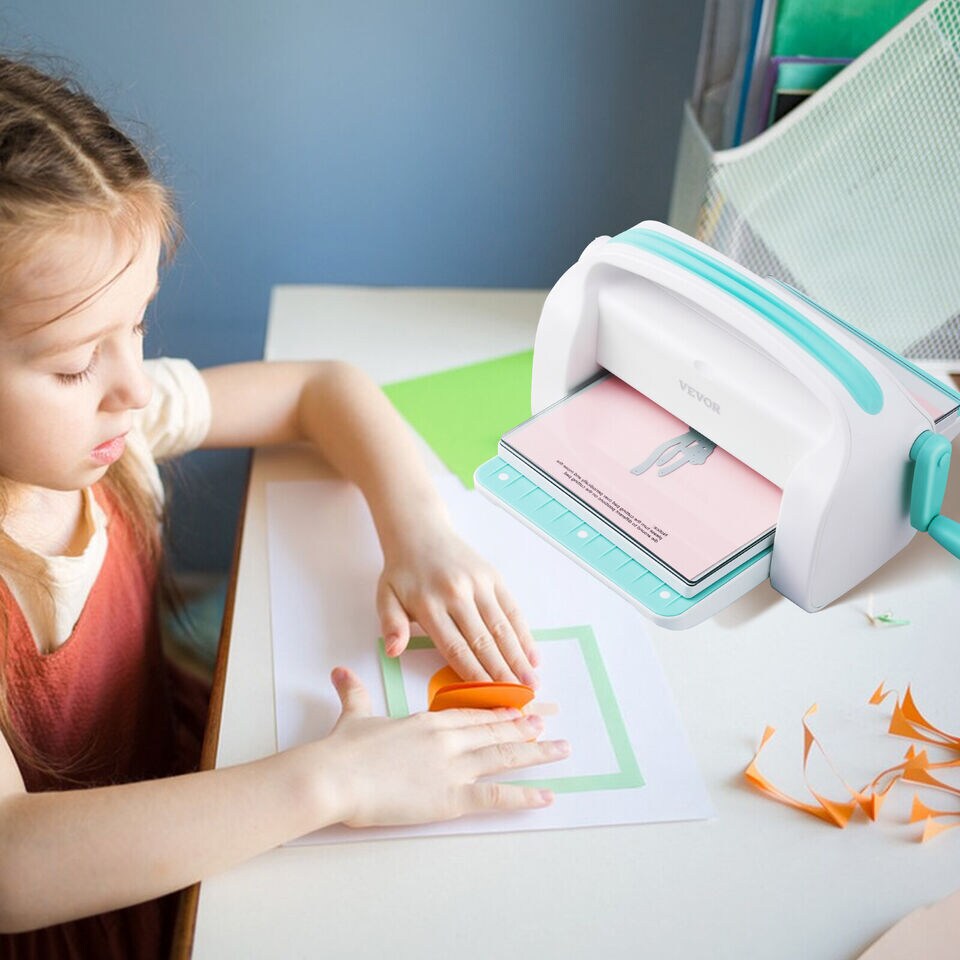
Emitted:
pixel 879 695
pixel 917 770
pixel 933 828
pixel 830 811
pixel 921 811
pixel 870 803
pixel 905 721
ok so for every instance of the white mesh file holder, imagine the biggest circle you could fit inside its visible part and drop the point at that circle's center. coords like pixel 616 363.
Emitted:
pixel 854 197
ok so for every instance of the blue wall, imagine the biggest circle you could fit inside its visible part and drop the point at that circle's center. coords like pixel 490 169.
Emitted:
pixel 413 142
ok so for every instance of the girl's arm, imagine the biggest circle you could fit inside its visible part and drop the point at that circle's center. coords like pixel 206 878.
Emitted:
pixel 68 854
pixel 430 576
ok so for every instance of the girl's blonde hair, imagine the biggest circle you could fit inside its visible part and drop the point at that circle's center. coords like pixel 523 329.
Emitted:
pixel 62 157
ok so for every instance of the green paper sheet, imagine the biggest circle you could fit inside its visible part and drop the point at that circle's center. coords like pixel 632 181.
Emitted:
pixel 463 412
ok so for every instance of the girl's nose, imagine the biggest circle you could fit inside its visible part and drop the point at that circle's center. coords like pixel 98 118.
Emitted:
pixel 130 388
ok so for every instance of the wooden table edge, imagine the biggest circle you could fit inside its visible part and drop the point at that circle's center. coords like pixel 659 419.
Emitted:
pixel 182 946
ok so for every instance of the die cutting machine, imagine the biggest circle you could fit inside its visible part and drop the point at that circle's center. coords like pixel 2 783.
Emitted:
pixel 856 437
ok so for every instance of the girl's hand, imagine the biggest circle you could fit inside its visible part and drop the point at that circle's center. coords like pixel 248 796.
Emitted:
pixel 418 769
pixel 435 579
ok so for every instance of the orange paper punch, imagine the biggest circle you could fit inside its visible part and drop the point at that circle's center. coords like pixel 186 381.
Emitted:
pixel 447 691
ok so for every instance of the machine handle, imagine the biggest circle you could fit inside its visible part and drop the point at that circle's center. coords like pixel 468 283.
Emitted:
pixel 947 533
pixel 931 454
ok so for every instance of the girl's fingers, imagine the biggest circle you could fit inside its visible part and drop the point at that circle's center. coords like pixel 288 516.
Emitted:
pixel 504 633
pixel 480 640
pixel 477 736
pixel 353 694
pixel 448 640
pixel 515 754
pixel 394 622
pixel 512 610
pixel 473 717
pixel 482 797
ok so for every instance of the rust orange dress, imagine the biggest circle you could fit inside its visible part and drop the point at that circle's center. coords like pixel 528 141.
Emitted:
pixel 101 709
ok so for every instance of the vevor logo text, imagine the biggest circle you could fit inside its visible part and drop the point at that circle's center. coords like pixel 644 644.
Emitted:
pixel 702 397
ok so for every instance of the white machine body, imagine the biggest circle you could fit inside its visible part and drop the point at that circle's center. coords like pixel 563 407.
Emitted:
pixel 773 399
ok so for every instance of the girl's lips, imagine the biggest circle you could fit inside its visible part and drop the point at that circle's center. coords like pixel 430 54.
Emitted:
pixel 110 451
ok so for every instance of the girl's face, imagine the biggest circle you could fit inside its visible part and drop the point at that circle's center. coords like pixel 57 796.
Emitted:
pixel 71 356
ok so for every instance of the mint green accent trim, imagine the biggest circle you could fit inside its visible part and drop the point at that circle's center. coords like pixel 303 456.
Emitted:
pixel 609 562
pixel 848 370
pixel 931 453
pixel 876 344
pixel 628 776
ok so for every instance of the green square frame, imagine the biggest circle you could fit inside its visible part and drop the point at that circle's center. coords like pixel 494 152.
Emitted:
pixel 627 777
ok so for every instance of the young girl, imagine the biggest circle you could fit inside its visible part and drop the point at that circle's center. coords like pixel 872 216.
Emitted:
pixel 93 825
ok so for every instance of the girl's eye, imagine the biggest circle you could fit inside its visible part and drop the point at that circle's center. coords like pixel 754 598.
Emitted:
pixel 80 376
pixel 139 329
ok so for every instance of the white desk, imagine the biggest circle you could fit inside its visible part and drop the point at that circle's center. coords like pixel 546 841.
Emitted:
pixel 759 881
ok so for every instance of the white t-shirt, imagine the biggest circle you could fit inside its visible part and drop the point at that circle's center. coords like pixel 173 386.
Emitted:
pixel 51 591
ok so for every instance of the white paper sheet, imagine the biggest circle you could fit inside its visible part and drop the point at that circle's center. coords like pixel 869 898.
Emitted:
pixel 324 565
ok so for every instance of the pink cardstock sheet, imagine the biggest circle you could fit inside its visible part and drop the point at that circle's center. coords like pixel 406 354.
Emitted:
pixel 691 515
